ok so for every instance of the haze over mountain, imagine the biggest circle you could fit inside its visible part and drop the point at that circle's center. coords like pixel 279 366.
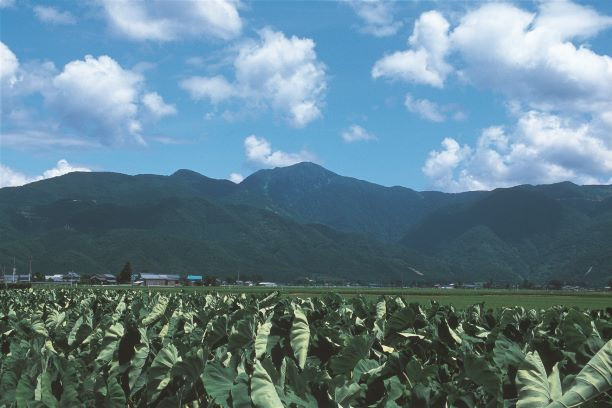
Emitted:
pixel 304 220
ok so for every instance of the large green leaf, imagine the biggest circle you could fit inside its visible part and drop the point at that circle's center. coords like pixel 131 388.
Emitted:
pixel 300 336
pixel 160 373
pixel 593 380
pixel 358 348
pixel 263 392
pixel 110 343
pixel 261 339
pixel 157 312
pixel 532 383
pixel 218 381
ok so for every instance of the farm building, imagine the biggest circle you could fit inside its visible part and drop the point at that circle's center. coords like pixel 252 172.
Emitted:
pixel 194 279
pixel 151 279
pixel 103 279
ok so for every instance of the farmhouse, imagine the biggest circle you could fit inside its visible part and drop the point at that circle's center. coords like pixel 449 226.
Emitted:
pixel 194 279
pixel 103 279
pixel 150 279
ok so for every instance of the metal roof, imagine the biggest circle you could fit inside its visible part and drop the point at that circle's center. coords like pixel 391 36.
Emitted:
pixel 194 277
pixel 153 276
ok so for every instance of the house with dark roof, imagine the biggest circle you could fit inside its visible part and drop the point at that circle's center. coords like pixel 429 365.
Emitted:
pixel 152 279
pixel 103 279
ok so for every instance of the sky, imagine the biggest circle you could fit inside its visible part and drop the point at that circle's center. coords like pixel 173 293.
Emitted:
pixel 449 96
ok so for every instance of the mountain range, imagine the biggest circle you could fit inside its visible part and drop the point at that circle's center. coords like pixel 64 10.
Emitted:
pixel 306 221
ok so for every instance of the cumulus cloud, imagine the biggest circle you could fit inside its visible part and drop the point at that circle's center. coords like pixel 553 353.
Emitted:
pixel 99 97
pixel 278 72
pixel 52 15
pixel 163 20
pixel 8 63
pixel 531 56
pixel 13 178
pixel 356 133
pixel 425 108
pixel 236 178
pixel 259 152
pixel 156 105
pixel 215 88
pixel 542 148
pixel 6 3
pixel 425 60
pixel 91 101
pixel 557 89
pixel 377 17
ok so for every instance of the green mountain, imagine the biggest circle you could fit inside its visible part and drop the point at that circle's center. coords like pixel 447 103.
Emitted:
pixel 94 222
pixel 306 221
pixel 541 233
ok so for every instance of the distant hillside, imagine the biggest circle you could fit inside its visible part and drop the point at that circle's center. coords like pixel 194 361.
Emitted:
pixel 304 220
pixel 535 233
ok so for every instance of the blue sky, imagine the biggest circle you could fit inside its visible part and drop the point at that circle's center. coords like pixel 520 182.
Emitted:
pixel 450 96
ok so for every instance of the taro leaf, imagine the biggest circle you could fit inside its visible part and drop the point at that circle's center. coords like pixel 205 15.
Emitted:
pixel 357 348
pixel 112 336
pixel 160 372
pixel 364 366
pixel 24 393
pixel 141 352
pixel 478 370
pixel 157 312
pixel 300 336
pixel 263 393
pixel 216 330
pixel 381 309
pixel 115 398
pixel 218 381
pixel 73 332
pixel 70 384
pixel 394 387
pixel 400 320
pixel 307 401
pixel 240 392
pixel 240 335
pixel 532 383
pixel 345 394
pixel 554 383
pixel 507 353
pixel 594 379
pixel 261 339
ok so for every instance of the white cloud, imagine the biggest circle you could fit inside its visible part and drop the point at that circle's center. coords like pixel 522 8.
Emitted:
pixel 425 61
pixel 278 72
pixel 215 88
pixel 156 105
pixel 236 178
pixel 89 102
pixel 543 148
pixel 356 133
pixel 98 97
pixel 531 56
pixel 12 178
pixel 6 3
pixel 259 151
pixel 52 15
pixel 377 16
pixel 163 20
pixel 425 108
pixel 440 165
pixel 8 63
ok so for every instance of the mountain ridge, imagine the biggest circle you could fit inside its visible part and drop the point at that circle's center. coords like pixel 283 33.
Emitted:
pixel 346 226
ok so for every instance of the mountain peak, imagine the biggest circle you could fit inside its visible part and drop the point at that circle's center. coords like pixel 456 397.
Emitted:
pixel 186 173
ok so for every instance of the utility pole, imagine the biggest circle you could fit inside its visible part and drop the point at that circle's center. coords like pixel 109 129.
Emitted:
pixel 30 276
pixel 14 270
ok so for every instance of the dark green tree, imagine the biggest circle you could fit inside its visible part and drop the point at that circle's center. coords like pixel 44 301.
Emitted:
pixel 125 276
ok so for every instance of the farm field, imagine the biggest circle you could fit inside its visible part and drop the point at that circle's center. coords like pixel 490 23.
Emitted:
pixel 166 348
pixel 459 298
